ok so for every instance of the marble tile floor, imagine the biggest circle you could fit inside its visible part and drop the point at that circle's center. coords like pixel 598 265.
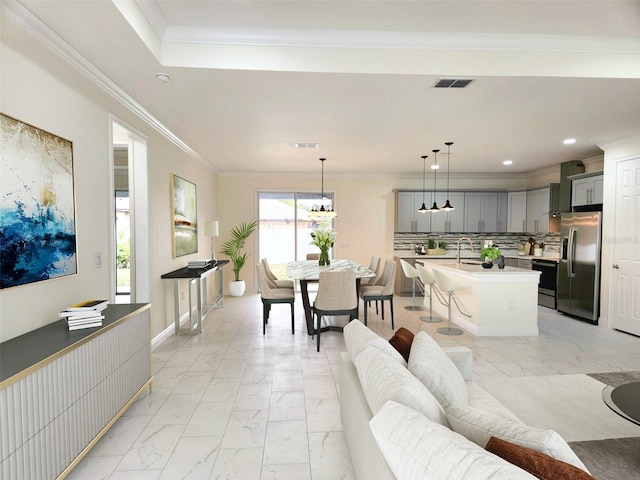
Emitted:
pixel 234 404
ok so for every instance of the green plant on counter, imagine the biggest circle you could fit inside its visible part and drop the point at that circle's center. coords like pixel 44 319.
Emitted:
pixel 431 243
pixel 490 252
pixel 442 245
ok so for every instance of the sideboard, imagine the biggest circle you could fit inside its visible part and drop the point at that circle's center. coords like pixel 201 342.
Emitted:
pixel 60 391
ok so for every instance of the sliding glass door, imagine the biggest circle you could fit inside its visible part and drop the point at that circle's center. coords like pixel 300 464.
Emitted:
pixel 285 227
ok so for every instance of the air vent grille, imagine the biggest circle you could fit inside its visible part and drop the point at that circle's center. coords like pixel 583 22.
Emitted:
pixel 305 145
pixel 452 83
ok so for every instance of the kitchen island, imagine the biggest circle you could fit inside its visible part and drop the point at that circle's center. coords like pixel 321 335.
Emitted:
pixel 501 302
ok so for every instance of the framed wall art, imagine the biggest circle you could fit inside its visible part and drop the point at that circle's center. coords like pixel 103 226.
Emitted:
pixel 184 216
pixel 37 205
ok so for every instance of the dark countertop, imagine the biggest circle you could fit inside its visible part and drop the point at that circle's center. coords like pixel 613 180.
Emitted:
pixel 28 351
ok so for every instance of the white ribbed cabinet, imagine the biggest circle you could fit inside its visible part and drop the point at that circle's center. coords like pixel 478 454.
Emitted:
pixel 56 408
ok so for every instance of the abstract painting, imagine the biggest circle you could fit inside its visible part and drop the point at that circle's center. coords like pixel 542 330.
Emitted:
pixel 37 205
pixel 185 225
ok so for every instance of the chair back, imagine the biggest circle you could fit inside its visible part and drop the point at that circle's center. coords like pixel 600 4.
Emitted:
pixel 374 266
pixel 408 269
pixel 388 278
pixel 446 283
pixel 313 256
pixel 336 291
pixel 267 270
pixel 426 276
pixel 262 280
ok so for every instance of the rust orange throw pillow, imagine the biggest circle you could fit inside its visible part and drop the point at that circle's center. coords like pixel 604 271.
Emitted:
pixel 538 464
pixel 401 341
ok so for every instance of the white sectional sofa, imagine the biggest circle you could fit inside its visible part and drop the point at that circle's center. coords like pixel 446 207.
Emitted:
pixel 427 418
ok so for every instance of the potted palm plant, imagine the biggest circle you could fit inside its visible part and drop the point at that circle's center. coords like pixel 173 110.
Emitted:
pixel 233 249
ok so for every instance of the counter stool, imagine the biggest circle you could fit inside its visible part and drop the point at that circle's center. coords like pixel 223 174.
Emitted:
pixel 410 272
pixel 450 286
pixel 427 278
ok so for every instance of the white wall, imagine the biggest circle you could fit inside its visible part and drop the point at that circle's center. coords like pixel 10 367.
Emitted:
pixel 41 89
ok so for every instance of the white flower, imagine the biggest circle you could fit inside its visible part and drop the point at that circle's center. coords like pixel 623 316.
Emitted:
pixel 323 238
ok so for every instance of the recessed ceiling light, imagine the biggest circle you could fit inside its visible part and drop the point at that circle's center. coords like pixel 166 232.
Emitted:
pixel 435 167
pixel 163 77
pixel 569 141
pixel 508 162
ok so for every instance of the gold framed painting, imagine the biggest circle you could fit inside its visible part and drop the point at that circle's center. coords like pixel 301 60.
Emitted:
pixel 184 216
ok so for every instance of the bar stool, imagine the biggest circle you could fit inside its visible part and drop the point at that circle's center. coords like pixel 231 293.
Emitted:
pixel 410 272
pixel 450 286
pixel 427 278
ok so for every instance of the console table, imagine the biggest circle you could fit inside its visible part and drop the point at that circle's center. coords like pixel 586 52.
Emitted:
pixel 197 277
pixel 61 390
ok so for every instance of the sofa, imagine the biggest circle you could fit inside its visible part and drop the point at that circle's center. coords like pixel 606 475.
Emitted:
pixel 411 410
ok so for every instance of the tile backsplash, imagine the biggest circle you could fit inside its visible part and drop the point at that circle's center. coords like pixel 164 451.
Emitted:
pixel 504 241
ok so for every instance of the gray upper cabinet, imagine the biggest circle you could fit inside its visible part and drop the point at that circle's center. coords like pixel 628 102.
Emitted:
pixel 538 202
pixel 517 212
pixel 408 219
pixel 503 210
pixel 453 220
pixel 481 212
pixel 587 191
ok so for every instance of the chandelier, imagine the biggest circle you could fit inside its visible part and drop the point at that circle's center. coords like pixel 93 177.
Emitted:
pixel 322 211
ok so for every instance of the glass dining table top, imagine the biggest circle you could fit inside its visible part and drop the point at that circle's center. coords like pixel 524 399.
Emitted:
pixel 310 269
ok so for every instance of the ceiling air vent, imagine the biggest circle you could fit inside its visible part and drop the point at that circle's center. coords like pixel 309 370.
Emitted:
pixel 452 83
pixel 305 145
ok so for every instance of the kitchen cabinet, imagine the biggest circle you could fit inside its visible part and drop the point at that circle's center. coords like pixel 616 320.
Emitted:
pixel 517 212
pixel 511 262
pixel 404 285
pixel 587 191
pixel 538 210
pixel 503 209
pixel 525 263
pixel 481 212
pixel 408 219
pixel 453 220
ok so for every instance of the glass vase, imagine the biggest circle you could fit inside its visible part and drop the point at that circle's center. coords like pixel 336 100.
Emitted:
pixel 324 257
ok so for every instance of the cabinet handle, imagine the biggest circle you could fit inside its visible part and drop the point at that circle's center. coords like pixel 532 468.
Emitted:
pixel 616 266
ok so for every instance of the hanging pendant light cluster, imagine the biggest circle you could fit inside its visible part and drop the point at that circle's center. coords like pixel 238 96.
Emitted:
pixel 434 208
pixel 423 208
pixel 447 206
pixel 322 211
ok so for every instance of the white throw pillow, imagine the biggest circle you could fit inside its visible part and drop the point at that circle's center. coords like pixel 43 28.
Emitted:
pixel 383 379
pixel 357 337
pixel 479 426
pixel 430 365
pixel 418 449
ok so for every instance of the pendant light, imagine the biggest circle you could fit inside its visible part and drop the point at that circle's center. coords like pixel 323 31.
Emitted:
pixel 435 167
pixel 423 208
pixel 447 206
pixel 322 211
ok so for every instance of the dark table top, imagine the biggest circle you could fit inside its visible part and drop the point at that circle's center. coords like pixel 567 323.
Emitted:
pixel 186 272
pixel 28 350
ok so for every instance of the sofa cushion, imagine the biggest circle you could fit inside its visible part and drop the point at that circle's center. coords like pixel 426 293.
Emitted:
pixel 430 365
pixel 402 341
pixel 483 400
pixel 357 337
pixel 538 464
pixel 383 379
pixel 479 426
pixel 416 448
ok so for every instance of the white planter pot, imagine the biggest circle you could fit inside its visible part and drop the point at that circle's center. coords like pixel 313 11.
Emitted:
pixel 236 288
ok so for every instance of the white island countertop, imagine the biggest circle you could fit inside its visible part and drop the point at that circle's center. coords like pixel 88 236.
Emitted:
pixel 501 302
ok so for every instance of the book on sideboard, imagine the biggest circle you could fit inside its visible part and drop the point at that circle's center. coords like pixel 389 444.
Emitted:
pixel 86 325
pixel 91 305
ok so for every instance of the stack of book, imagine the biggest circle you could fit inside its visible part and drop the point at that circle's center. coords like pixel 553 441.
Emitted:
pixel 85 314
pixel 205 263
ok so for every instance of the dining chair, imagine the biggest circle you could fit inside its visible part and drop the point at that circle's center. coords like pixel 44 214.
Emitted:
pixel 381 291
pixel 270 295
pixel 313 256
pixel 411 272
pixel 450 286
pixel 427 278
pixel 374 266
pixel 336 296
pixel 275 281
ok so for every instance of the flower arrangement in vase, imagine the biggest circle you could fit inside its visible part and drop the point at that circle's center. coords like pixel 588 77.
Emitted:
pixel 323 239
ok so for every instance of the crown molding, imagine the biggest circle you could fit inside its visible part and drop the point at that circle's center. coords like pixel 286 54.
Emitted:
pixel 26 20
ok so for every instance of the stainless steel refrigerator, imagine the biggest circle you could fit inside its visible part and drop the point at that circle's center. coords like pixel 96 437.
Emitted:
pixel 579 268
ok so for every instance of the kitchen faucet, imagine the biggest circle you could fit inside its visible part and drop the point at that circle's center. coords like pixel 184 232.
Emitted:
pixel 458 249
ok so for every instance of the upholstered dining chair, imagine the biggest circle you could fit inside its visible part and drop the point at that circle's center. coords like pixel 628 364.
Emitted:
pixel 383 290
pixel 336 296
pixel 411 272
pixel 374 266
pixel 313 256
pixel 270 295
pixel 275 281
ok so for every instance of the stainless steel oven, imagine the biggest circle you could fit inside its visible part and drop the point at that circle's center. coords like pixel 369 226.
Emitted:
pixel 548 281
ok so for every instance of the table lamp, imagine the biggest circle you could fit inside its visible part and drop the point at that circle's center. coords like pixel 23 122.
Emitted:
pixel 211 230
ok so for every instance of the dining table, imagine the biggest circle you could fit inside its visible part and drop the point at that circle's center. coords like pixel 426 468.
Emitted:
pixel 308 271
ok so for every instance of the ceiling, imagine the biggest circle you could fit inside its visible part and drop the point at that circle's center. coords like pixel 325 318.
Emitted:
pixel 249 79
